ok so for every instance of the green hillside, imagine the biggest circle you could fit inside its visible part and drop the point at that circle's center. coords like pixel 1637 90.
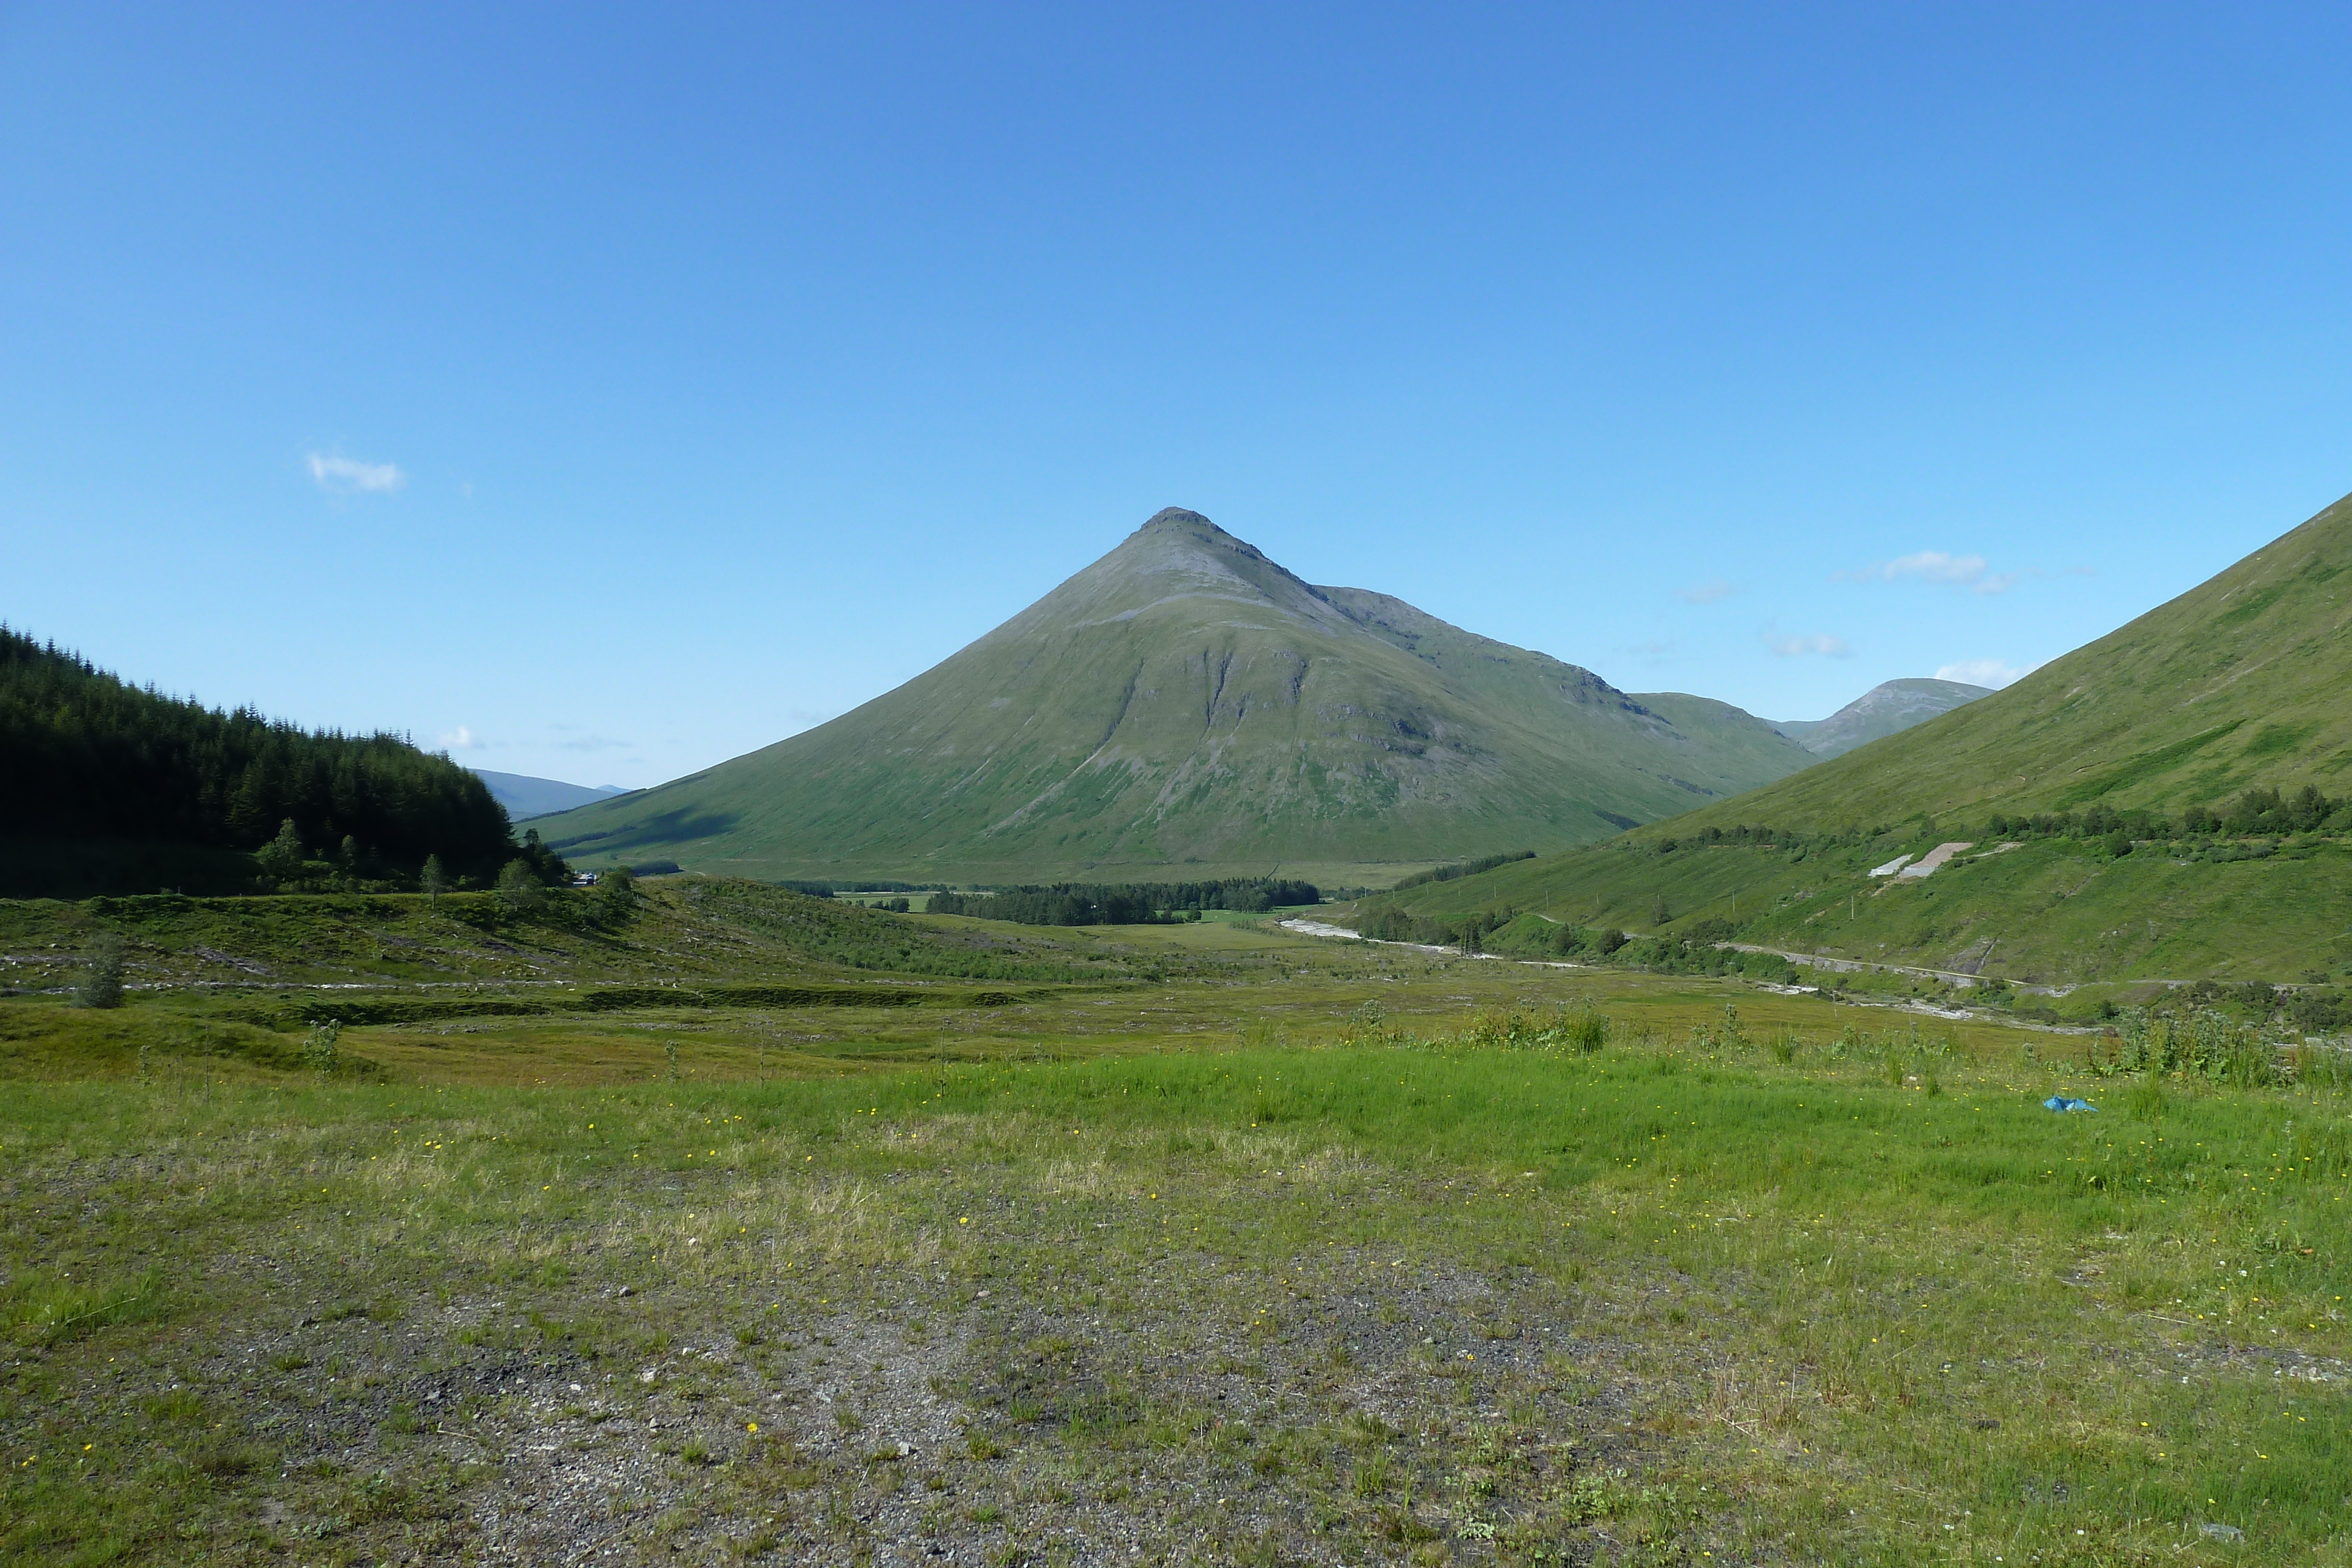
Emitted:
pixel 2175 791
pixel 2239 683
pixel 1186 708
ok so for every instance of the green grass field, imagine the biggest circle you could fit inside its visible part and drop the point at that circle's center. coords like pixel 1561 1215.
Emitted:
pixel 1301 1252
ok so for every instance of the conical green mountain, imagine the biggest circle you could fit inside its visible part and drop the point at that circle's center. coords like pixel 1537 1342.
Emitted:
pixel 2244 683
pixel 1186 707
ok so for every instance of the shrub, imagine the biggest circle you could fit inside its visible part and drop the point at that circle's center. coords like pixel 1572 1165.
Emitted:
pixel 101 980
pixel 1579 1030
pixel 2205 1044
pixel 519 890
pixel 617 895
pixel 318 1051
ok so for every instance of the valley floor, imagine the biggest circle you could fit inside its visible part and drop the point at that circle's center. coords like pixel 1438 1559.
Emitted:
pixel 1296 1254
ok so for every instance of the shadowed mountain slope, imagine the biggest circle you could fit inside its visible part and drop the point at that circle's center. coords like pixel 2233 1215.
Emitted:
pixel 1186 706
pixel 1887 708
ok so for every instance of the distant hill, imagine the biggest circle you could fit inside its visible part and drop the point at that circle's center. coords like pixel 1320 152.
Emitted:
pixel 111 788
pixel 1885 709
pixel 2154 781
pixel 1183 708
pixel 524 796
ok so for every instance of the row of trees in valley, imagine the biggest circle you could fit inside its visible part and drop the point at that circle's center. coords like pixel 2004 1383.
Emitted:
pixel 2255 813
pixel 2260 812
pixel 1461 868
pixel 1126 903
pixel 92 756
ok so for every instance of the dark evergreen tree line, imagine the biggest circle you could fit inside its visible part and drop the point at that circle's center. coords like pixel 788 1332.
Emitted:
pixel 1461 868
pixel 1125 903
pixel 1745 833
pixel 85 754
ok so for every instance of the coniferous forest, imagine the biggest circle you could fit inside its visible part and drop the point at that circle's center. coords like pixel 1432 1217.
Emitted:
pixel 86 756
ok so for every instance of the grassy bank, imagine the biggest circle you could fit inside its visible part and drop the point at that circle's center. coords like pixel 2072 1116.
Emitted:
pixel 685 930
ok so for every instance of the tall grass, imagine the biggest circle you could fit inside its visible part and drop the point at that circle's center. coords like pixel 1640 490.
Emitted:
pixel 42 1308
pixel 2210 1045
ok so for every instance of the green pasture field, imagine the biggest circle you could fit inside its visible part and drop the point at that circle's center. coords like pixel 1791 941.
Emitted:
pixel 1307 1253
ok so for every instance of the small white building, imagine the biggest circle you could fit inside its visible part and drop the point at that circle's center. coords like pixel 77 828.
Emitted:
pixel 1934 859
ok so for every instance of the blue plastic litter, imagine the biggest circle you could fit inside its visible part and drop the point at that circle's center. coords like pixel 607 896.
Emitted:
pixel 2060 1103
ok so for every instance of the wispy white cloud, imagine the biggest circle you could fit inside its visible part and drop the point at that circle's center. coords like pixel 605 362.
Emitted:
pixel 1972 573
pixel 1817 642
pixel 1994 673
pixel 1713 590
pixel 462 739
pixel 348 476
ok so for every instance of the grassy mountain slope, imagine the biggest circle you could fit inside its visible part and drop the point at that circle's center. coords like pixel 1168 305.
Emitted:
pixel 2238 684
pixel 1887 708
pixel 1186 707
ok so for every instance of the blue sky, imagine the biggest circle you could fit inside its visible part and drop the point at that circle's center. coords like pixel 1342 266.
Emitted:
pixel 604 393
